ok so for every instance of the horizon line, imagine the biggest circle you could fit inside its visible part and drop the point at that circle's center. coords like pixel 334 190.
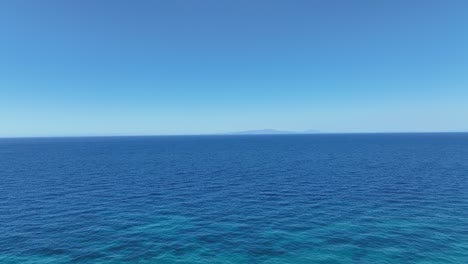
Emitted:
pixel 231 134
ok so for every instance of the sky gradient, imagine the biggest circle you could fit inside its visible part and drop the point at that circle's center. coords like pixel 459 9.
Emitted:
pixel 71 68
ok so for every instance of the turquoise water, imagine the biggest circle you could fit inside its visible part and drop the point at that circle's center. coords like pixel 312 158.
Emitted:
pixel 384 198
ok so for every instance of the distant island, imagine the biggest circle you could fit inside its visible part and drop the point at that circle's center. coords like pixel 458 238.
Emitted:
pixel 272 132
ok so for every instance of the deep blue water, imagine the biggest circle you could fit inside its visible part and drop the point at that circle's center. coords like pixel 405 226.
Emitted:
pixel 369 198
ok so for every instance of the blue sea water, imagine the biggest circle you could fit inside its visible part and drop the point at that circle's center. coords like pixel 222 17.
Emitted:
pixel 356 198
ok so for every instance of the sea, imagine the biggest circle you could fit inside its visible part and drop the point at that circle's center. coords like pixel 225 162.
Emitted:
pixel 323 198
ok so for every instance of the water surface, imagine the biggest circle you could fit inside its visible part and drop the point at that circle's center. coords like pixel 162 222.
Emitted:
pixel 369 198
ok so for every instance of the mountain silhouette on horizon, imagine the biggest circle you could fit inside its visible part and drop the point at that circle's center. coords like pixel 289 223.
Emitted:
pixel 269 131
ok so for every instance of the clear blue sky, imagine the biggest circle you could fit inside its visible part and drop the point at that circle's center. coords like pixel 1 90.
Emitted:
pixel 187 67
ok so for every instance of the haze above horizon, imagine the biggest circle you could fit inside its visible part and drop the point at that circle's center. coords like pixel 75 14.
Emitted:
pixel 188 67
